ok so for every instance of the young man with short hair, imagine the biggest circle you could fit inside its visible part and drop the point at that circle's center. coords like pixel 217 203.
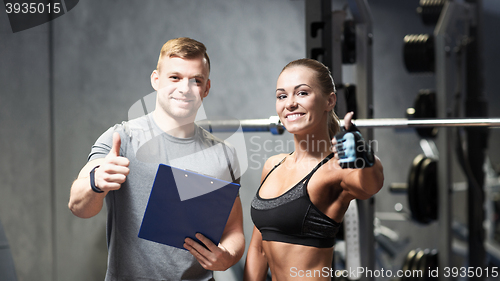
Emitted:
pixel 123 163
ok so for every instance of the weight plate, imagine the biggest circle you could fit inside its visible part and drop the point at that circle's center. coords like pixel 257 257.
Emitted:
pixel 422 265
pixel 412 187
pixel 434 191
pixel 416 265
pixel 427 191
pixel 432 264
pixel 425 107
pixel 408 263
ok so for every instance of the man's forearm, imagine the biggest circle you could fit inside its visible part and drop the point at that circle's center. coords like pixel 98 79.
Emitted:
pixel 234 243
pixel 83 202
pixel 233 238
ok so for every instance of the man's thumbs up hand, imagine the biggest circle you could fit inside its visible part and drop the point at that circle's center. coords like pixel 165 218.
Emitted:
pixel 114 170
pixel 117 142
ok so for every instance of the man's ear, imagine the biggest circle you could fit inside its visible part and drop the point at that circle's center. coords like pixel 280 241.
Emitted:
pixel 332 101
pixel 207 89
pixel 155 76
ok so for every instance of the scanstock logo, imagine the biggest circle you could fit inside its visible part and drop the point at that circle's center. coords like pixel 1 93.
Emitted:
pixel 25 14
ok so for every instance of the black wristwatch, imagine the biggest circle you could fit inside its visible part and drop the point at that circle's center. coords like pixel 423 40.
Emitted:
pixel 92 181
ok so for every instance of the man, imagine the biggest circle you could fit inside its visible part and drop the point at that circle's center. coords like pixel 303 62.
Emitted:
pixel 123 163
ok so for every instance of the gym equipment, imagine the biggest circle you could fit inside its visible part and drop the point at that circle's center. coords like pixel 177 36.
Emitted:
pixel 426 191
pixel 424 107
pixel 421 189
pixel 418 53
pixel 421 261
pixel 455 21
pixel 349 42
pixel 422 181
pixel 430 10
pixel 274 125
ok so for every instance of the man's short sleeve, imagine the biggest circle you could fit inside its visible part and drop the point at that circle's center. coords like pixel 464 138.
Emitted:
pixel 103 144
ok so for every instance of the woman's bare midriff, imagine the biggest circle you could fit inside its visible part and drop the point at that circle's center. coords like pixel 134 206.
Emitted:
pixel 297 262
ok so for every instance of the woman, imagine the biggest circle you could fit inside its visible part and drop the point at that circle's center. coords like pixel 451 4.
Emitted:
pixel 304 195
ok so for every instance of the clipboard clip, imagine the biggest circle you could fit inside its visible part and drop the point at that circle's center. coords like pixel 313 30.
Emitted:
pixel 201 174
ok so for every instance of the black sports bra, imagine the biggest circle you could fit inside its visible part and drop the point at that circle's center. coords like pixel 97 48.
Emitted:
pixel 292 217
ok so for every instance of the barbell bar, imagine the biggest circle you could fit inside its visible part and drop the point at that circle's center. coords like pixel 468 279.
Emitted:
pixel 274 125
pixel 407 123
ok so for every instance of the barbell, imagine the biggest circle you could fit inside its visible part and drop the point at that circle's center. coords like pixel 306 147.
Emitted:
pixel 422 180
pixel 274 125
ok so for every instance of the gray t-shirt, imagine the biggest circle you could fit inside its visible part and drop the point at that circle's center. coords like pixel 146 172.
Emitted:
pixel 147 146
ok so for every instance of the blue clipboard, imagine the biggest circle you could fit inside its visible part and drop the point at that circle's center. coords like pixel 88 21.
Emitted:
pixel 183 203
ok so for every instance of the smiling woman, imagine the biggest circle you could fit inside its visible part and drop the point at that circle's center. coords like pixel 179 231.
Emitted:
pixel 308 77
pixel 302 199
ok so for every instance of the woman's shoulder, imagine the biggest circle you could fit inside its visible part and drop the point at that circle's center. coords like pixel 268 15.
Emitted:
pixel 277 157
pixel 272 161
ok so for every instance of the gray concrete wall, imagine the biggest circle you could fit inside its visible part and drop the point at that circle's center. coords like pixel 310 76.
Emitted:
pixel 26 196
pixel 104 52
